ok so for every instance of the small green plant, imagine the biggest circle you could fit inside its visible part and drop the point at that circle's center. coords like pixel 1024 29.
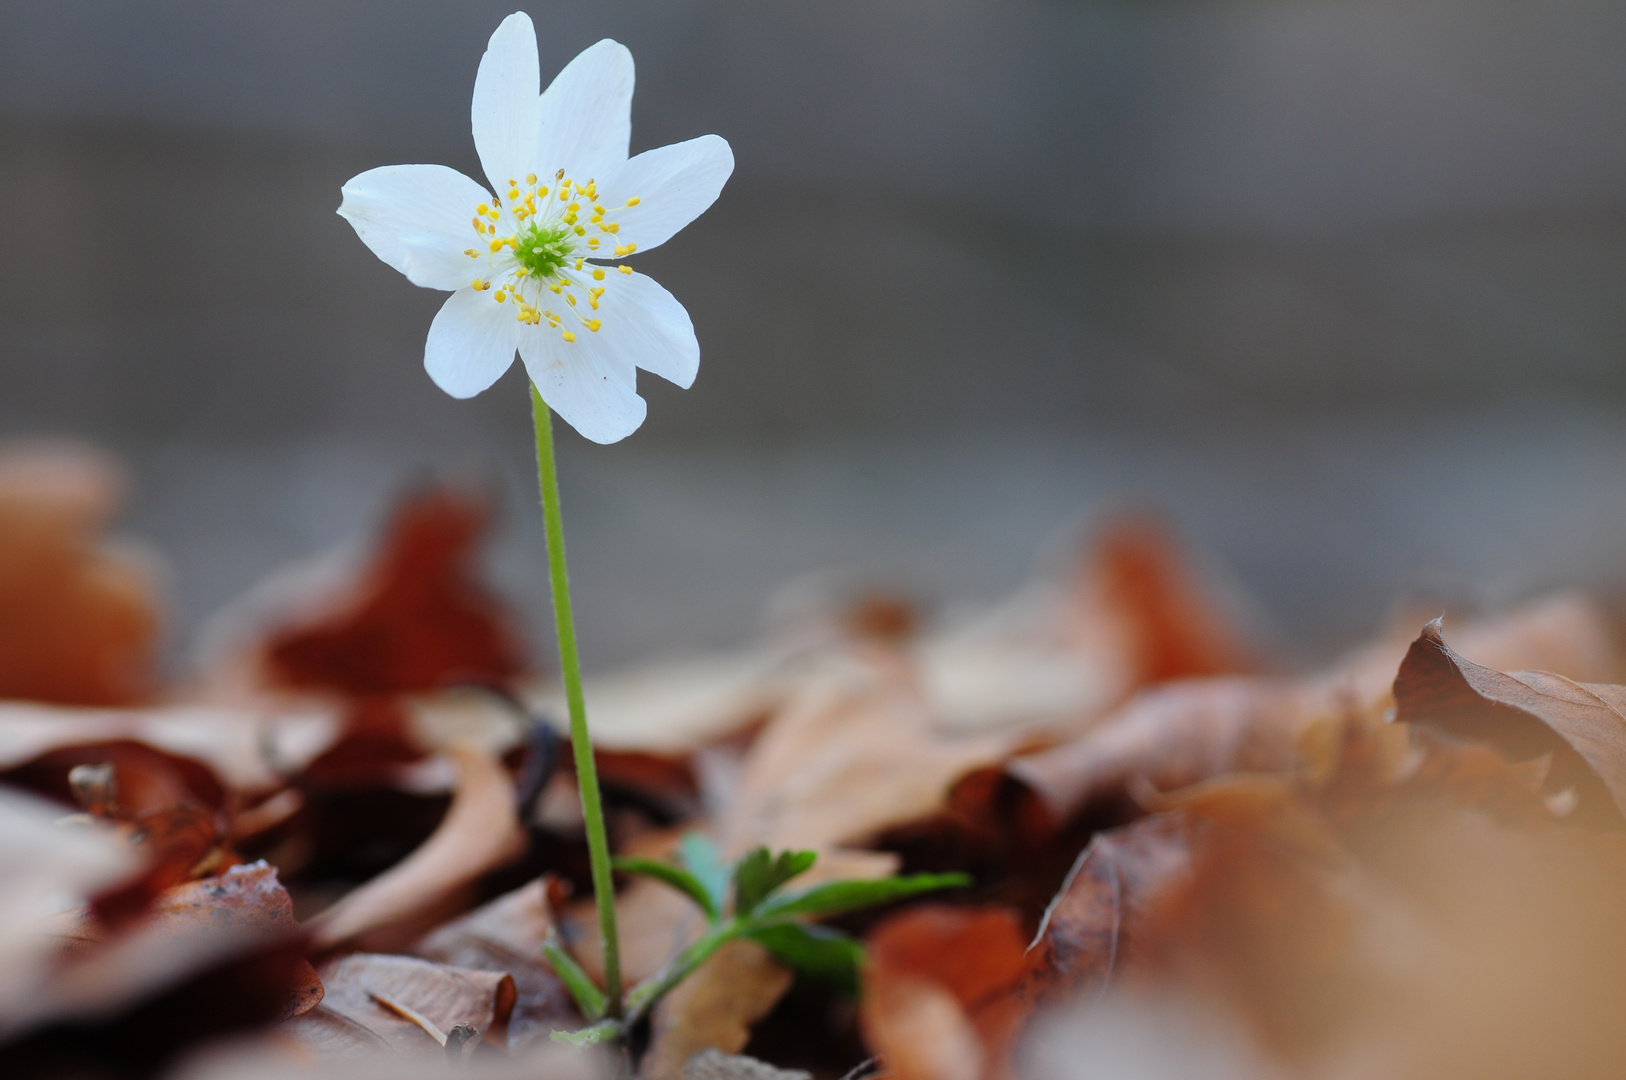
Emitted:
pixel 762 911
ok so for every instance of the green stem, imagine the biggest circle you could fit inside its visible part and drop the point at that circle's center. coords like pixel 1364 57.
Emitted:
pixel 564 621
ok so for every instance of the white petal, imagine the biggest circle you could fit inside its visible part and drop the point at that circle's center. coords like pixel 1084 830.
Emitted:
pixel 507 109
pixel 471 343
pixel 587 113
pixel 643 324
pixel 673 185
pixel 589 388
pixel 406 212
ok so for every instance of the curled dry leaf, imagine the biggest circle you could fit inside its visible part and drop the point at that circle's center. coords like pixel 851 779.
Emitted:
pixel 78 616
pixel 480 832
pixel 1177 735
pixel 400 1003
pixel 506 935
pixel 417 620
pixel 1527 715
pixel 714 1008
pixel 213 956
pixel 939 995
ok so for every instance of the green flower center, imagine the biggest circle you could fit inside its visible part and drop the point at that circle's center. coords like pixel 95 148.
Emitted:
pixel 543 248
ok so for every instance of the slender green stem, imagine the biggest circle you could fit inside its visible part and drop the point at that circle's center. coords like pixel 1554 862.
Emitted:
pixel 564 620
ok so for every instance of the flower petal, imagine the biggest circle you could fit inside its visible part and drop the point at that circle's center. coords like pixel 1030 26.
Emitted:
pixel 507 109
pixel 587 113
pixel 673 185
pixel 643 324
pixel 471 343
pixel 590 388
pixel 406 212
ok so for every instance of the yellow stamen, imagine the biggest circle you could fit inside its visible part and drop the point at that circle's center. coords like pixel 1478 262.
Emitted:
pixel 634 201
pixel 483 208
pixel 569 336
pixel 625 269
pixel 593 325
pixel 499 296
pixel 592 242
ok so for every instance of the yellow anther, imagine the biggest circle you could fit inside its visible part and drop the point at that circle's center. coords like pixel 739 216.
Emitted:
pixel 592 242
pixel 597 209
pixel 569 336
pixel 496 246
pixel 625 269
pixel 478 285
pixel 571 300
pixel 494 215
pixel 479 226
pixel 541 191
pixel 612 227
pixel 600 290
pixel 483 208
pixel 471 253
pixel 530 178
pixel 581 230
pixel 513 194
pixel 632 245
pixel 512 182
pixel 634 201
pixel 579 264
pixel 593 325
pixel 598 273
pixel 564 181
pixel 554 286
pixel 499 296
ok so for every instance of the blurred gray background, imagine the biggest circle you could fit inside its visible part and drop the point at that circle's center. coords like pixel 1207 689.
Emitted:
pixel 1337 284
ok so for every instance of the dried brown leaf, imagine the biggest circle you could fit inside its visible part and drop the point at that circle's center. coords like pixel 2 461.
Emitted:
pixel 78 617
pixel 356 1016
pixel 1525 716
pixel 714 1008
pixel 506 935
pixel 480 832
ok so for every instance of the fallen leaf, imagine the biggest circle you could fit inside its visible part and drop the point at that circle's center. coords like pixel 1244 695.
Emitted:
pixel 714 1008
pixel 79 617
pixel 417 620
pixel 939 999
pixel 480 831
pixel 356 1016
pixel 506 935
pixel 1525 715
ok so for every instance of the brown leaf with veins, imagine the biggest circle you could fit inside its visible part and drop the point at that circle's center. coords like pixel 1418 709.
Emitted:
pixel 1525 716
pixel 78 617
pixel 372 999
pixel 506 935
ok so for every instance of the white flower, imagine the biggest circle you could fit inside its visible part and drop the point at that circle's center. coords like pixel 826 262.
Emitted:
pixel 525 261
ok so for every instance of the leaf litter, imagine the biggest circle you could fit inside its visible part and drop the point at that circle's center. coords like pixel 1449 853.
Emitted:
pixel 346 846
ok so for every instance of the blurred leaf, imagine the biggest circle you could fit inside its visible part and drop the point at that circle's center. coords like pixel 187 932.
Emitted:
pixel 700 855
pixel 814 950
pixel 837 896
pixel 758 874
pixel 675 876
pixel 588 996
pixel 589 1036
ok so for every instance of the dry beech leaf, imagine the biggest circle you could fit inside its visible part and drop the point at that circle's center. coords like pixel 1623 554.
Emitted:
pixel 1186 732
pixel 480 832
pixel 506 935
pixel 41 863
pixel 245 747
pixel 418 619
pixel 236 932
pixel 78 617
pixel 356 1016
pixel 1091 931
pixel 1526 715
pixel 714 1008
pixel 853 754
pixel 940 988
